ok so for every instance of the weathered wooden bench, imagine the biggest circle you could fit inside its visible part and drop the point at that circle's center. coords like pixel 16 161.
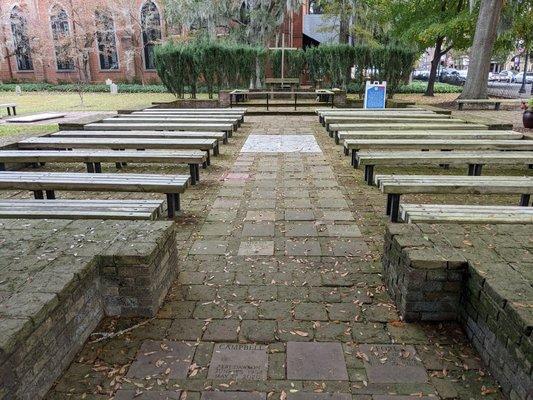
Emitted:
pixel 49 182
pixel 161 127
pixel 221 136
pixel 472 214
pixel 10 107
pixel 396 185
pixel 206 145
pixel 354 145
pixel 82 209
pixel 94 158
pixel 390 119
pixel 170 120
pixel 452 126
pixel 228 114
pixel 362 112
pixel 197 110
pixel 424 134
pixel 496 102
pixel 474 160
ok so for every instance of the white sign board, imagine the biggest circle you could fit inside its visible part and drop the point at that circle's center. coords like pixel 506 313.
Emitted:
pixel 108 82
pixel 375 95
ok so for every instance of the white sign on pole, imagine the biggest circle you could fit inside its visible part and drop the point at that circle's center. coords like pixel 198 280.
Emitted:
pixel 108 82
pixel 375 95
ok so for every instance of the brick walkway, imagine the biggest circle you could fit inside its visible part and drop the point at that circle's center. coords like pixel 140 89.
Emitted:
pixel 280 295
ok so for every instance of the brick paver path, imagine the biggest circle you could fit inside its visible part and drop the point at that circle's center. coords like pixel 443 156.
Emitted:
pixel 280 294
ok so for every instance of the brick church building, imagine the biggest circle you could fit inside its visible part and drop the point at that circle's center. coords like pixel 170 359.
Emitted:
pixel 112 39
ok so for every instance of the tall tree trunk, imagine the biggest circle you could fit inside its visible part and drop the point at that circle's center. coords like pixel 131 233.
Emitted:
pixel 430 90
pixel 524 78
pixel 344 26
pixel 481 52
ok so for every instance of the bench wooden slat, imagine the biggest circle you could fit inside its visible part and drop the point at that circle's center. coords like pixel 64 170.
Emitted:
pixel 423 134
pixel 118 143
pixel 438 157
pixel 166 119
pixel 440 144
pixel 442 213
pixel 221 136
pixel 401 119
pixel 428 126
pixel 81 209
pixel 160 127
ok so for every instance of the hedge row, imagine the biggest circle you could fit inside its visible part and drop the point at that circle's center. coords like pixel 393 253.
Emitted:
pixel 93 88
pixel 221 65
pixel 414 87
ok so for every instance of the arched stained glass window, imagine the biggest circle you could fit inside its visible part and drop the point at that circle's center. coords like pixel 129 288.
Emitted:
pixel 151 31
pixel 21 41
pixel 61 36
pixel 106 40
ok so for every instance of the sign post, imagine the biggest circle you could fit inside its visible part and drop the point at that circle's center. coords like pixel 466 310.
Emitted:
pixel 375 95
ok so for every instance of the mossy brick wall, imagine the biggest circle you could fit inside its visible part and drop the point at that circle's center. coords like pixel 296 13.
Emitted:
pixel 90 269
pixel 474 277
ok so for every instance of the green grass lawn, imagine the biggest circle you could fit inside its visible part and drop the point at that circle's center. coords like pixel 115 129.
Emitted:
pixel 13 129
pixel 34 102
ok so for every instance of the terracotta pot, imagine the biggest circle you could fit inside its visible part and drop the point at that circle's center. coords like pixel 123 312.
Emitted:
pixel 528 119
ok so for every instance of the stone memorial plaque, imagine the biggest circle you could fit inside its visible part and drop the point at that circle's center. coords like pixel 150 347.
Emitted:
pixel 321 361
pixel 162 358
pixel 233 396
pixel 239 362
pixel 319 396
pixel 148 395
pixel 408 397
pixel 392 364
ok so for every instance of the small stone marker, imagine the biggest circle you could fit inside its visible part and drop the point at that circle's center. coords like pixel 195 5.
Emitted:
pixel 114 88
pixel 18 90
pixel 392 364
pixel 233 396
pixel 162 358
pixel 239 361
pixel 321 361
pixel 148 395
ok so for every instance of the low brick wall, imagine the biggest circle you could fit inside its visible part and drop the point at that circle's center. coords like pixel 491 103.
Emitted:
pixel 95 269
pixel 434 275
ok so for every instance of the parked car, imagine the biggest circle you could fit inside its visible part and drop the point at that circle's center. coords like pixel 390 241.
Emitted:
pixel 505 76
pixel 453 77
pixel 421 74
pixel 520 76
pixel 493 76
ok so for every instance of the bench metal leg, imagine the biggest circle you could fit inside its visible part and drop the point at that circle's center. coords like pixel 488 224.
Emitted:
pixel 204 165
pixel 336 137
pixel 177 203
pixel 15 111
pixel 38 194
pixel 98 167
pixel 208 158
pixel 459 106
pixel 471 169
pixel 197 172
pixel 524 200
pixel 477 169
pixel 2 167
pixel 388 206
pixel 118 165
pixel 225 139
pixel 497 106
pixel 170 205
pixel 369 174
pixel 8 111
pixel 394 207
pixel 192 170
pixel 229 133
pixel 216 150
pixel 355 163
pixel 346 151
pixel 90 167
pixel 50 195
pixel 330 133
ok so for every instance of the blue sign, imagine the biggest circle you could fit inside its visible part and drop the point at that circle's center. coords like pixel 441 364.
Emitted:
pixel 375 95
